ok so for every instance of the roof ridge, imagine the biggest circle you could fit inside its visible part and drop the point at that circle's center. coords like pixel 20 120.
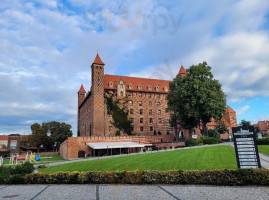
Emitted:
pixel 137 77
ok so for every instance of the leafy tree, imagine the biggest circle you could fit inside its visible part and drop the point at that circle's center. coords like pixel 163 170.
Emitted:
pixel 245 123
pixel 197 97
pixel 119 114
pixel 59 132
pixel 174 121
pixel 39 135
pixel 221 127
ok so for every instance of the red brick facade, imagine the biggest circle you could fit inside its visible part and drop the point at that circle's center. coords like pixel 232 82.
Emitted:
pixel 146 103
pixel 73 145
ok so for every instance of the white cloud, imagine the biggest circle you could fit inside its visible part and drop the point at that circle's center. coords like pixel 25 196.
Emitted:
pixel 242 110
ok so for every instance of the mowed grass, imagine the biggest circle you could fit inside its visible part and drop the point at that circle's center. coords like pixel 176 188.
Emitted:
pixel 264 149
pixel 215 157
pixel 44 159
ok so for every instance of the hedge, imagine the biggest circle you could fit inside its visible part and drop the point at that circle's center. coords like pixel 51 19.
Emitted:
pixel 263 141
pixel 210 140
pixel 210 177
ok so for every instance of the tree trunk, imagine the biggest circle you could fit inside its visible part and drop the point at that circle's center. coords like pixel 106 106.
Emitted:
pixel 177 136
pixel 204 128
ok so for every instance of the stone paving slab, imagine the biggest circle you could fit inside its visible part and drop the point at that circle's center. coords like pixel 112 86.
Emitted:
pixel 132 192
pixel 219 192
pixel 68 192
pixel 125 192
pixel 20 191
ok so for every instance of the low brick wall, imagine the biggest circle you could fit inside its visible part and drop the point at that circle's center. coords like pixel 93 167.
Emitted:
pixel 69 148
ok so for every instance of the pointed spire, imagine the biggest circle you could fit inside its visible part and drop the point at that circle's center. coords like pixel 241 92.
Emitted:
pixel 82 90
pixel 98 60
pixel 182 71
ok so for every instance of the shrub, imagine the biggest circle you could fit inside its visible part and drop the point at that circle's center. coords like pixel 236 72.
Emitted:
pixel 154 132
pixel 210 140
pixel 209 177
pixel 190 142
pixel 263 141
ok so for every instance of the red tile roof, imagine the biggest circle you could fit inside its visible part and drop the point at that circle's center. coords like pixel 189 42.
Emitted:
pixel 3 137
pixel 133 83
pixel 263 125
pixel 182 71
pixel 82 89
pixel 98 60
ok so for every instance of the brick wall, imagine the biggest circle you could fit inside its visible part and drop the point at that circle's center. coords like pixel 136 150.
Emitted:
pixel 69 148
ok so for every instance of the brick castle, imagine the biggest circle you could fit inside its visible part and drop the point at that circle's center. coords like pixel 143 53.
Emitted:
pixel 146 99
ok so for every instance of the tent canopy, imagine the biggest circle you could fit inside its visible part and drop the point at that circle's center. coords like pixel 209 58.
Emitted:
pixel 114 145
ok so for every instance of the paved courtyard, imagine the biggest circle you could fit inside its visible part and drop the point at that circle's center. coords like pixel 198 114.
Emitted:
pixel 126 192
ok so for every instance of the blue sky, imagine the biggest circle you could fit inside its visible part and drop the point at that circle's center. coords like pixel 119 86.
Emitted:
pixel 47 48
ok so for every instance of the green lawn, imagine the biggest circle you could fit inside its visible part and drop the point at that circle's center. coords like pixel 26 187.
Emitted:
pixel 264 149
pixel 216 157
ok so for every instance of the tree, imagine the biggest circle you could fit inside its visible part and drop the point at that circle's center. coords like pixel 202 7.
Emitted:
pixel 59 132
pixel 221 127
pixel 39 135
pixel 119 114
pixel 245 123
pixel 197 97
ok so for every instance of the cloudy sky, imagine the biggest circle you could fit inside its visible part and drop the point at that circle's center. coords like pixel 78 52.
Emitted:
pixel 47 47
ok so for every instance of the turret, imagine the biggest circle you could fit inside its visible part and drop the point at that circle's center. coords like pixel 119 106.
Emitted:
pixel 182 72
pixel 81 94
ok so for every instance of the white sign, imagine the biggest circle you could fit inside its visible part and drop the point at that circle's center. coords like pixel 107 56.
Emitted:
pixel 194 136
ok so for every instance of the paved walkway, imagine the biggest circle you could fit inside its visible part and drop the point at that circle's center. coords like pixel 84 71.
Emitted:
pixel 125 192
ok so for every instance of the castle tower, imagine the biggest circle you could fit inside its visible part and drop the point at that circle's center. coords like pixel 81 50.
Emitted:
pixel 98 102
pixel 182 72
pixel 231 115
pixel 81 97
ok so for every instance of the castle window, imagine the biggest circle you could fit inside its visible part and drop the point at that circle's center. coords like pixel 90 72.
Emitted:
pixel 141 128
pixel 130 94
pixel 149 95
pixel 157 88
pixel 130 86
pixel 132 128
pixel 121 93
pixel 139 87
pixel 158 104
pixel 141 111
pixel 131 111
pixel 150 103
pixel 160 121
pixel 131 102
pixel 140 95
pixel 111 84
pixel 110 128
pixel 159 112
pixel 132 120
pixel 151 128
pixel 150 120
pixel 140 103
pixel 165 89
pixel 149 88
pixel 150 112
pixel 141 120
